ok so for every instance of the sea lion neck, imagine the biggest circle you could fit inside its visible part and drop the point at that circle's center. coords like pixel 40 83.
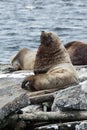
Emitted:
pixel 50 53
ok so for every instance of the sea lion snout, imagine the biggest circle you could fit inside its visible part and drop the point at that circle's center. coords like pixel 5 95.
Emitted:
pixel 46 38
pixel 25 84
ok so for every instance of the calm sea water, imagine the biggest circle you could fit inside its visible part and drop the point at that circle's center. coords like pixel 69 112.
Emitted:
pixel 21 22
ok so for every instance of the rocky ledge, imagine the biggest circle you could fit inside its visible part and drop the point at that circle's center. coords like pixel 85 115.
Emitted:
pixel 42 110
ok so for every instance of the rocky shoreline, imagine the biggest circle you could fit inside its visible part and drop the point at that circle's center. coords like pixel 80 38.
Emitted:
pixel 42 110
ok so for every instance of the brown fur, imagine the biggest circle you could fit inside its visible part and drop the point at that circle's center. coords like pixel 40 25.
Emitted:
pixel 78 52
pixel 23 60
pixel 53 67
pixel 49 53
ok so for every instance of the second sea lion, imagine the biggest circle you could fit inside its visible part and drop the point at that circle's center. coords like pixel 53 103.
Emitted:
pixel 23 60
pixel 78 52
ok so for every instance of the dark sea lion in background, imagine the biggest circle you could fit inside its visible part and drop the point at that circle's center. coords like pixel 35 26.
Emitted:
pixel 23 60
pixel 78 52
pixel 53 67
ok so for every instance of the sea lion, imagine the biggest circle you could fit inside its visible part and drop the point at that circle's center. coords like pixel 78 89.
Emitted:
pixel 23 60
pixel 53 68
pixel 78 52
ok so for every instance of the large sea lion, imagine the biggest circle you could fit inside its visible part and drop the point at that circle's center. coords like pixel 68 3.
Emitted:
pixel 78 52
pixel 53 67
pixel 23 60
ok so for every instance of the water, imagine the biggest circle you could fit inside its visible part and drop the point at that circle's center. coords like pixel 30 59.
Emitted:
pixel 21 22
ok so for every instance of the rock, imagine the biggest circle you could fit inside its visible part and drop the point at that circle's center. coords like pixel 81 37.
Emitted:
pixel 82 72
pixel 32 108
pixel 77 125
pixel 72 98
pixel 12 96
pixel 49 127
pixel 81 126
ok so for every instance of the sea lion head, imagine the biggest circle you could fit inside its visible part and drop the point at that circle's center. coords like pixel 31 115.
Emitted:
pixel 50 52
pixel 78 52
pixel 49 39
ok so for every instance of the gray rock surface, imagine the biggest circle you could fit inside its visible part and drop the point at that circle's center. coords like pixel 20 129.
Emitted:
pixel 77 125
pixel 81 126
pixel 12 96
pixel 32 108
pixel 72 98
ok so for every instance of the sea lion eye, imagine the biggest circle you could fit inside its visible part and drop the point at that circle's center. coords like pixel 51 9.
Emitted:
pixel 49 36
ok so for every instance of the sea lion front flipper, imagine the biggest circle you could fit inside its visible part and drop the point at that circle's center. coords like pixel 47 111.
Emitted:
pixel 27 84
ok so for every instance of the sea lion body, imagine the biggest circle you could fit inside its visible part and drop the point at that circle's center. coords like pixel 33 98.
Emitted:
pixel 53 68
pixel 23 60
pixel 78 52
